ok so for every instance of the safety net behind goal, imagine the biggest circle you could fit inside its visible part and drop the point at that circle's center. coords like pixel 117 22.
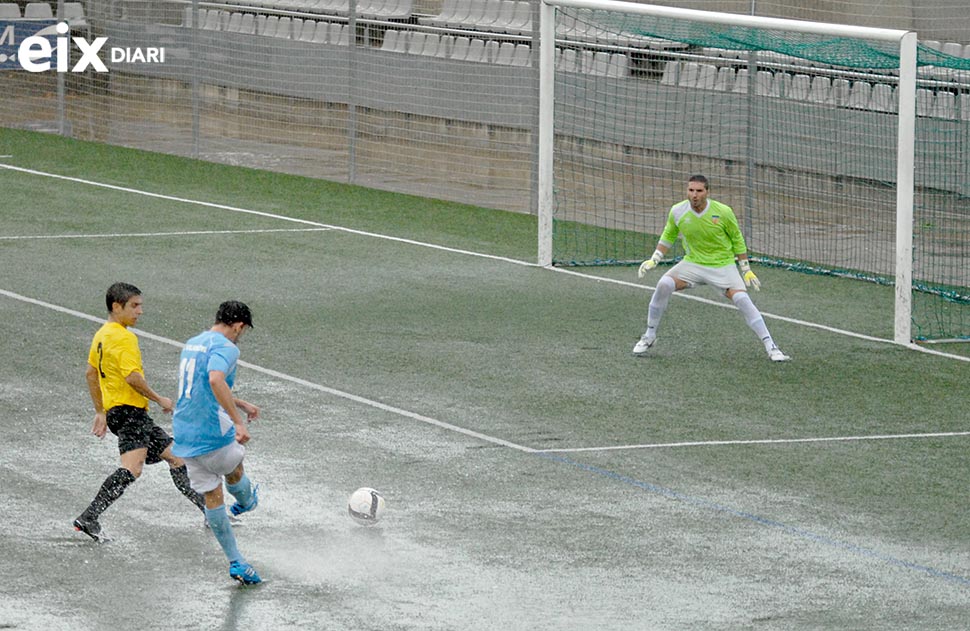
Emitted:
pixel 797 132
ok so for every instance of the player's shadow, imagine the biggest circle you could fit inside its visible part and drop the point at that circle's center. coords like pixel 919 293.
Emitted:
pixel 236 608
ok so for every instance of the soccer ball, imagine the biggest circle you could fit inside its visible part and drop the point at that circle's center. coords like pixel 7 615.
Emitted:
pixel 366 506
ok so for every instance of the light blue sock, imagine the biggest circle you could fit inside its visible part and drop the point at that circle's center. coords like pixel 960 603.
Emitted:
pixel 242 490
pixel 222 529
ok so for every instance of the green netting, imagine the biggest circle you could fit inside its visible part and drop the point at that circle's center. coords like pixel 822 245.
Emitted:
pixel 835 51
pixel 811 175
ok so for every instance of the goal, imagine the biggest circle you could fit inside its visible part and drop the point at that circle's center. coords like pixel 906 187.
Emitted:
pixel 809 130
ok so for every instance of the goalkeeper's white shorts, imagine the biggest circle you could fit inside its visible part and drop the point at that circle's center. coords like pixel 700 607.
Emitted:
pixel 727 277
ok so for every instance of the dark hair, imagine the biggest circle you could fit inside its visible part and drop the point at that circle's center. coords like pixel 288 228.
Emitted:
pixel 701 179
pixel 232 311
pixel 120 293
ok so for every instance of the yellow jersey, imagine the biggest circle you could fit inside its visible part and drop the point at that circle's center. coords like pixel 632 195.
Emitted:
pixel 115 354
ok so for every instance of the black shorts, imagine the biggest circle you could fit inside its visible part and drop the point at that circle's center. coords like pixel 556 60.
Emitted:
pixel 136 430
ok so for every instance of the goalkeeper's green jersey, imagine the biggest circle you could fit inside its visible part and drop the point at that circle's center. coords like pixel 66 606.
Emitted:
pixel 711 238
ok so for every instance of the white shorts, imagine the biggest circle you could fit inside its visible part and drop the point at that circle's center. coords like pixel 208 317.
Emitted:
pixel 727 277
pixel 206 471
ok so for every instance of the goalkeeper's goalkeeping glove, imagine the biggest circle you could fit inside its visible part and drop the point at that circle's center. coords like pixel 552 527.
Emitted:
pixel 750 280
pixel 649 264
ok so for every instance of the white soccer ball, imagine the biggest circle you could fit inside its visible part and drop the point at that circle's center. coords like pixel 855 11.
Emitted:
pixel 366 506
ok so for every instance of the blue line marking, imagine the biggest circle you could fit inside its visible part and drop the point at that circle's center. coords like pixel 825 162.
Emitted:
pixel 762 521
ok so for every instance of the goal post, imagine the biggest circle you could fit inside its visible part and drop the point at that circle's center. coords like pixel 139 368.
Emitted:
pixel 903 46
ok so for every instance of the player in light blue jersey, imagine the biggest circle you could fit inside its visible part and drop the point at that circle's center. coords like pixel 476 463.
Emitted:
pixel 210 429
pixel 713 241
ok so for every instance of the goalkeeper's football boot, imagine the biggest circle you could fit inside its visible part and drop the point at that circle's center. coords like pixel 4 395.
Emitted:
pixel 775 355
pixel 644 344
pixel 244 573
pixel 91 528
pixel 238 509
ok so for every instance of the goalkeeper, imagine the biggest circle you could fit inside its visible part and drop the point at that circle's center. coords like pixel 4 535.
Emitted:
pixel 712 240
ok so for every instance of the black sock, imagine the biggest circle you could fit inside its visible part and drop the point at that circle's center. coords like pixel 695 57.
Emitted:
pixel 111 489
pixel 180 477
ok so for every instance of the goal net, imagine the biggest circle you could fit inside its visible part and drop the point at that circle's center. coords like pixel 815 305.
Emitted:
pixel 798 127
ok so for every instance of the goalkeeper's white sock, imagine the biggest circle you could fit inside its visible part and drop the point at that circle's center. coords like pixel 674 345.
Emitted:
pixel 753 317
pixel 658 304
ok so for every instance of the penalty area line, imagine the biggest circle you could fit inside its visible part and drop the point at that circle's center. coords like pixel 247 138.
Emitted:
pixel 562 459
pixel 432 246
pixel 761 441
pixel 290 378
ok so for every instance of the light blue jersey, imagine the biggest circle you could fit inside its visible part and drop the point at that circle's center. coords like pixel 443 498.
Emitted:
pixel 199 423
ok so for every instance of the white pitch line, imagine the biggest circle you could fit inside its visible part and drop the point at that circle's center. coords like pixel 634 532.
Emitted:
pixel 285 377
pixel 184 233
pixel 471 433
pixel 442 248
pixel 765 441
pixel 196 202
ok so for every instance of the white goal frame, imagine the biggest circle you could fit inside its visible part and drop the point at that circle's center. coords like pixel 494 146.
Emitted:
pixel 906 40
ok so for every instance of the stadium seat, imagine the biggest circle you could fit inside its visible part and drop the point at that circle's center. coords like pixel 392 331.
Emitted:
pixel 599 64
pixel 309 31
pixel 9 10
pixel 284 28
pixel 491 51
pixel 445 44
pixel 781 85
pixel 821 86
pixel 882 98
pixel 476 50
pixel 924 102
pixel 953 49
pixel 801 85
pixel 248 24
pixel 446 15
pixel 505 53
pixel 468 13
pixel 964 103
pixel 688 74
pixel 725 79
pixel 671 74
pixel 235 22
pixel 460 49
pixel 741 82
pixel 764 80
pixel 839 94
pixel 322 33
pixel 619 65
pixel 523 55
pixel 944 105
pixel 490 15
pixel 269 27
pixel 706 76
pixel 416 42
pixel 506 13
pixel 38 11
pixel 385 9
pixel 431 43
pixel 343 35
pixel 74 14
pixel 390 41
pixel 521 23
pixel 860 95
pixel 568 61
pixel 213 20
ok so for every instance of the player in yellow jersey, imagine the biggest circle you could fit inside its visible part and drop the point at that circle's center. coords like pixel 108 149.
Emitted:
pixel 712 242
pixel 120 394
